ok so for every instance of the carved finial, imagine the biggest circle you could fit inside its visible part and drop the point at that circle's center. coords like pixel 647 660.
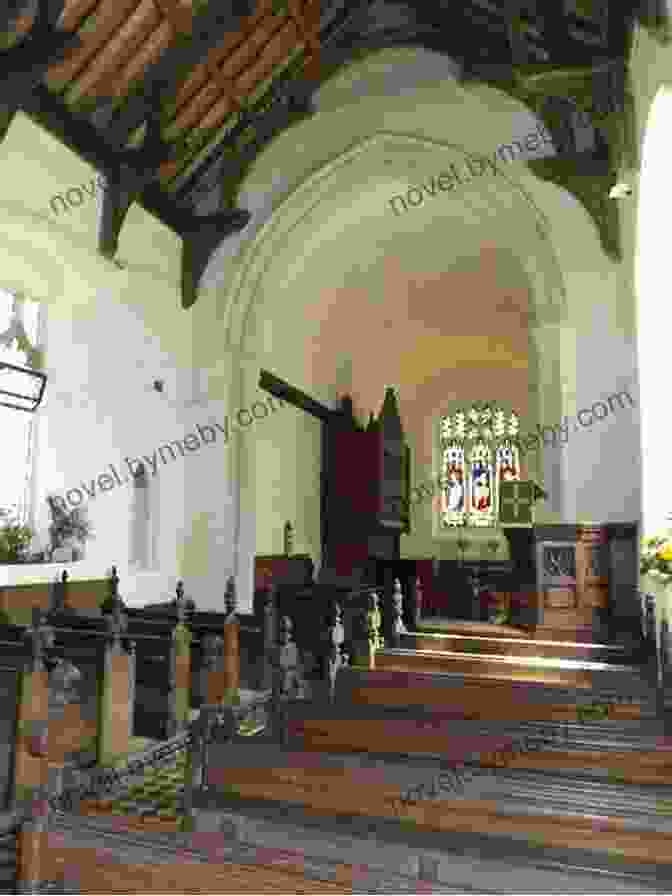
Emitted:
pixel 336 658
pixel 63 676
pixel 373 620
pixel 288 678
pixel 40 637
pixel 288 539
pixel 58 593
pixel 211 648
pixel 286 627
pixel 180 602
pixel 230 597
pixel 117 623
pixel 398 627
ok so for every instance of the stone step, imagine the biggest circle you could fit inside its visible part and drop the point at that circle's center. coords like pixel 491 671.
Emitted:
pixel 549 671
pixel 462 644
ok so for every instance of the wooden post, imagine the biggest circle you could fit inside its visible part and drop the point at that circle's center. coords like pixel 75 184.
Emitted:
pixel 211 689
pixel 287 679
pixel 58 601
pixel 194 770
pixel 397 627
pixel 270 637
pixel 31 768
pixel 231 644
pixel 373 621
pixel 418 602
pixel 335 657
pixel 181 662
pixel 115 712
pixel 592 578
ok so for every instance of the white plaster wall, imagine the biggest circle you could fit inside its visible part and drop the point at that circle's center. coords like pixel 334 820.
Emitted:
pixel 110 333
pixel 586 477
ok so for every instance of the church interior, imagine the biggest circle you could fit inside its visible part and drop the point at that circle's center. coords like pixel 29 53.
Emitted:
pixel 328 566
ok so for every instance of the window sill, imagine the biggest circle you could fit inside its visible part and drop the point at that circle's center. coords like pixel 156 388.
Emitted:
pixel 32 573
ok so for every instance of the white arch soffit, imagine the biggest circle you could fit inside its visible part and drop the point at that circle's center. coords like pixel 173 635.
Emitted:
pixel 654 311
pixel 40 259
pixel 534 246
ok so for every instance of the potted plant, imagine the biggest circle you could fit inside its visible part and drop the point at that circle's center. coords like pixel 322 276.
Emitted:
pixel 14 537
pixel 68 528
pixel 656 558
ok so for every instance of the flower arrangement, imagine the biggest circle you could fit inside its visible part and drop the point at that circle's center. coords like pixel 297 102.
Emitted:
pixel 656 558
pixel 14 537
pixel 67 525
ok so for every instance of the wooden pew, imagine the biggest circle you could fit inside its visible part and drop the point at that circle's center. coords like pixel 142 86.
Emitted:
pixel 205 668
pixel 79 597
pixel 397 764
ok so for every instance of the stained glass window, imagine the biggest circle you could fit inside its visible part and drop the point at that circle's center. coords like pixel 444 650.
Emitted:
pixel 478 452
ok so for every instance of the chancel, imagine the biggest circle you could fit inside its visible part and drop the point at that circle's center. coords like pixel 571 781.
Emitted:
pixel 482 498
pixel 424 550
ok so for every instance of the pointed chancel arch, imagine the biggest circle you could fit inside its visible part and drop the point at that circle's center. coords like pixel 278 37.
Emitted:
pixel 354 190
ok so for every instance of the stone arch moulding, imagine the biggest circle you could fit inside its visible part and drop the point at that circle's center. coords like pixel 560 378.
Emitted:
pixel 538 258
pixel 535 251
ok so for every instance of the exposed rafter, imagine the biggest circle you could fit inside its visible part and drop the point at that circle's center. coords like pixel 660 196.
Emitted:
pixel 24 64
pixel 235 73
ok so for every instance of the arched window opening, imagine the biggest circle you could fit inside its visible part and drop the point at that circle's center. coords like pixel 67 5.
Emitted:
pixel 478 452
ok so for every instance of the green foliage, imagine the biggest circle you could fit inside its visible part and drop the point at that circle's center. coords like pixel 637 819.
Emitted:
pixel 68 524
pixel 656 558
pixel 471 647
pixel 588 712
pixel 14 537
pixel 503 617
